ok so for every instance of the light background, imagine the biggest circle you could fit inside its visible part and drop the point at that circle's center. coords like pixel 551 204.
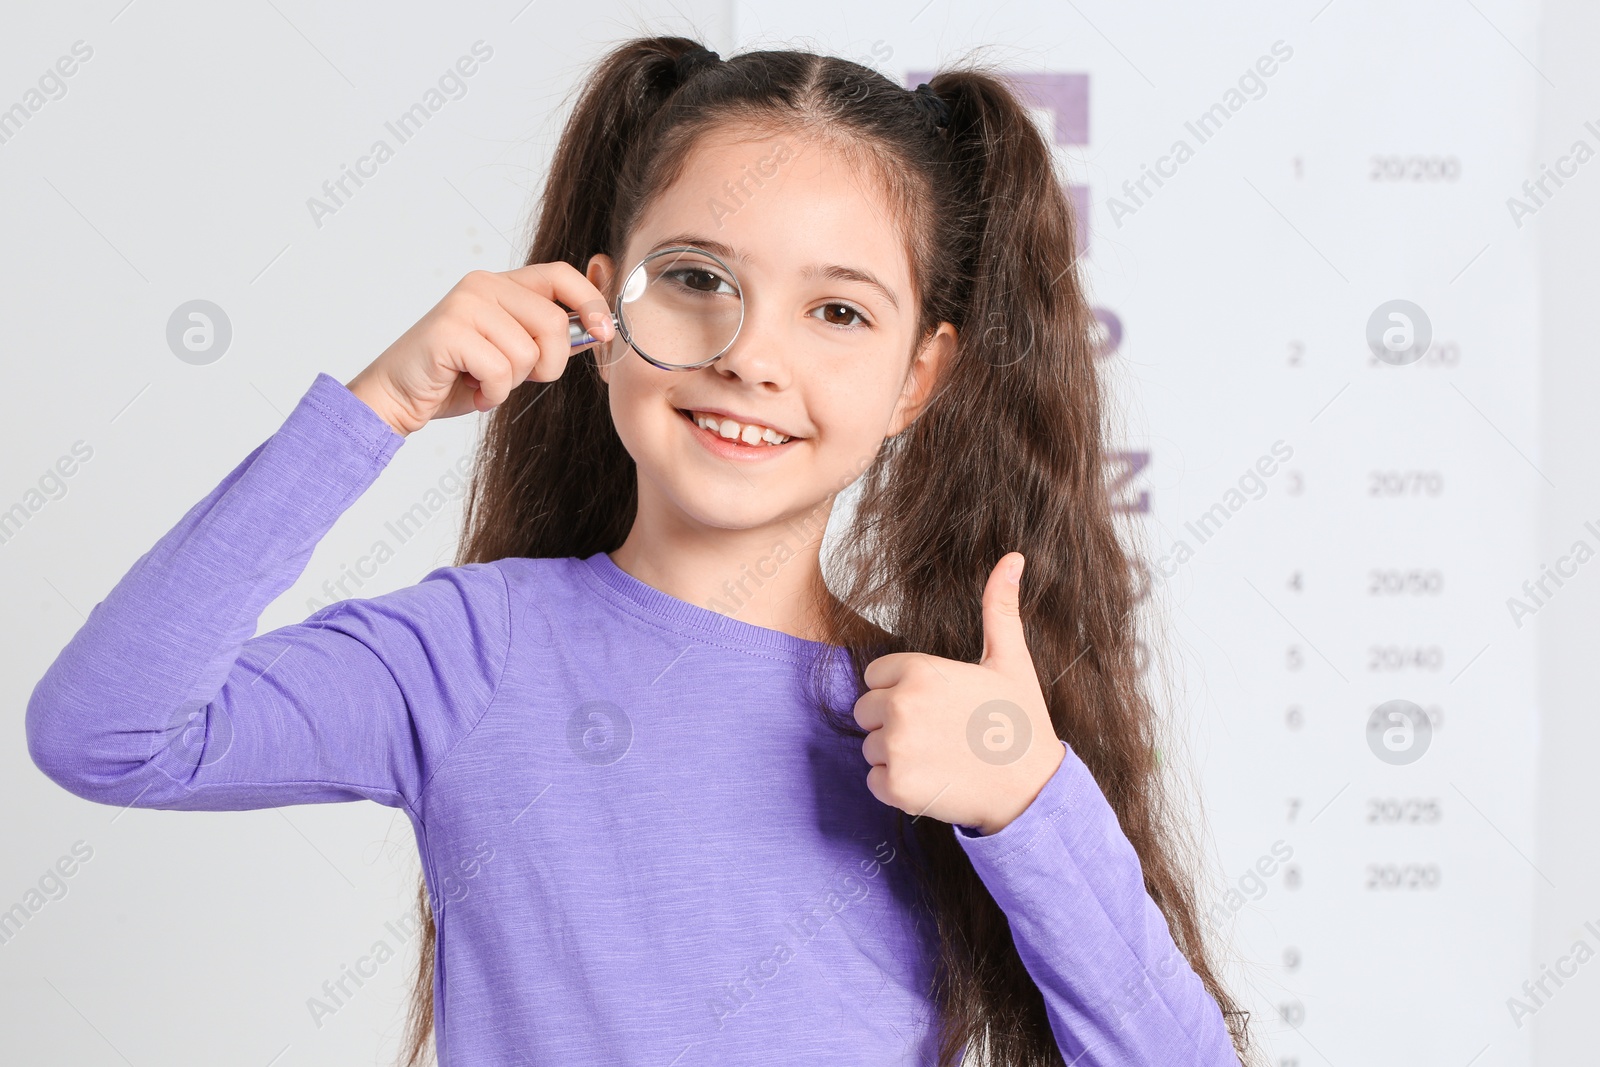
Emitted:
pixel 178 165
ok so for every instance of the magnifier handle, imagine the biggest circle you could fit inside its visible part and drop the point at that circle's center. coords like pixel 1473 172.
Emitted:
pixel 577 332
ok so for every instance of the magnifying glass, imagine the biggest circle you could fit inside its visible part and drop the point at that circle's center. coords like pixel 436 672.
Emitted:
pixel 680 309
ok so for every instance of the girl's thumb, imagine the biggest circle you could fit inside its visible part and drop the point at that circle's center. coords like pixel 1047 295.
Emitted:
pixel 1003 642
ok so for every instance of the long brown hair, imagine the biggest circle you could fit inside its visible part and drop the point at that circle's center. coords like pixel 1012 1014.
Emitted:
pixel 1009 455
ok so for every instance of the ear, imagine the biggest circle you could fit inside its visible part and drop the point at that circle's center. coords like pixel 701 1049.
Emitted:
pixel 927 367
pixel 599 274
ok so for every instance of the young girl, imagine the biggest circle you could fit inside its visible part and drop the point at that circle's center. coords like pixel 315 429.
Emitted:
pixel 678 801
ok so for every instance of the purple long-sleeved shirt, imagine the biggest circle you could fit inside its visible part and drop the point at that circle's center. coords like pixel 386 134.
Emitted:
pixel 642 847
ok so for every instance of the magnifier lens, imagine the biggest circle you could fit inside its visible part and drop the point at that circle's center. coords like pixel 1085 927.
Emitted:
pixel 680 308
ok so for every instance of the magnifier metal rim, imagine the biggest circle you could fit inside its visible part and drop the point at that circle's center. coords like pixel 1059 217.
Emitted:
pixel 622 322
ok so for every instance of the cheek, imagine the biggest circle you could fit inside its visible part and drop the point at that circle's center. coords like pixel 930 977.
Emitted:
pixel 859 407
pixel 632 400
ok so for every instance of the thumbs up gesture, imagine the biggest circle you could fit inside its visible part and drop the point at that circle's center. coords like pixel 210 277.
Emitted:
pixel 965 743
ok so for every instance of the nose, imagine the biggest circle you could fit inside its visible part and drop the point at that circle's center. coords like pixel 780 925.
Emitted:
pixel 760 355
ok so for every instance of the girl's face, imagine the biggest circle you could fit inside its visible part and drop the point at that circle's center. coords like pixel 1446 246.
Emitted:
pixel 824 357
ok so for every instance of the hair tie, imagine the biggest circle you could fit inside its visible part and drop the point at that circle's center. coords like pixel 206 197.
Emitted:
pixel 692 60
pixel 931 105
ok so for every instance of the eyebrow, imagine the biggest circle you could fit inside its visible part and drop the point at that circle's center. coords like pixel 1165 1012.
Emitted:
pixel 831 271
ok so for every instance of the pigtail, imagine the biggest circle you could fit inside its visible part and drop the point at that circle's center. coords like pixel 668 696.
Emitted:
pixel 1009 456
pixel 1027 480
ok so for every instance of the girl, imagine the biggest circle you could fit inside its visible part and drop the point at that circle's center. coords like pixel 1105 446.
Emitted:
pixel 677 800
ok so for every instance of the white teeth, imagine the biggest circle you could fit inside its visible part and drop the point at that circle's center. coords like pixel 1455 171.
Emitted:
pixel 750 434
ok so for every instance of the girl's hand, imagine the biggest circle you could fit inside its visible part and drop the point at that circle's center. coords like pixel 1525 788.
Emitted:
pixel 486 337
pixel 970 744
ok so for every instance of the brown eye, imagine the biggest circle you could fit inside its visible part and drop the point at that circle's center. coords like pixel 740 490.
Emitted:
pixel 698 279
pixel 834 313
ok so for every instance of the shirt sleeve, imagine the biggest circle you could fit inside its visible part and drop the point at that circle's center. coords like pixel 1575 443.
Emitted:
pixel 1117 989
pixel 164 699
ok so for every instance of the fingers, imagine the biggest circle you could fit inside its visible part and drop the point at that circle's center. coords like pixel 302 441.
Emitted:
pixel 886 671
pixel 510 337
pixel 875 749
pixel 559 281
pixel 871 709
pixel 476 355
pixel 516 312
pixel 564 283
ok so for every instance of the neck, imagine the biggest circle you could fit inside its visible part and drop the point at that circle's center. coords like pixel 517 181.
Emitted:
pixel 766 575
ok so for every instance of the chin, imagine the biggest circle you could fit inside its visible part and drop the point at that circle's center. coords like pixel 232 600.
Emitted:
pixel 709 507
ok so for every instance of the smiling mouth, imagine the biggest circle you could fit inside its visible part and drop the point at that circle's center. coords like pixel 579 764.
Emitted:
pixel 749 434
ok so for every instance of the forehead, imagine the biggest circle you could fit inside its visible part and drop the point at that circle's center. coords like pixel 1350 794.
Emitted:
pixel 781 200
